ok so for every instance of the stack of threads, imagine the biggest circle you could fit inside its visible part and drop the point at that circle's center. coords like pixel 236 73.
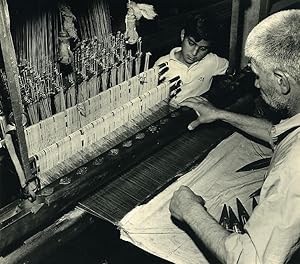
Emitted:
pixel 98 66
pixel 109 59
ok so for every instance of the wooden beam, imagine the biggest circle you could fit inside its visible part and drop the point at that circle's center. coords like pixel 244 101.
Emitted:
pixel 235 13
pixel 252 13
pixel 13 155
pixel 264 9
pixel 12 72
pixel 60 232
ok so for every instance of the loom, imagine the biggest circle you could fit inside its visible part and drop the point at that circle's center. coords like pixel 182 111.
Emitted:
pixel 93 115
pixel 66 114
pixel 77 103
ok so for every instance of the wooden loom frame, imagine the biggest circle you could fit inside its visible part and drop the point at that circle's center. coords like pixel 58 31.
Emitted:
pixel 35 213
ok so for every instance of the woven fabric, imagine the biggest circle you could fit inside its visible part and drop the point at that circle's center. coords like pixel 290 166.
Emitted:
pixel 150 227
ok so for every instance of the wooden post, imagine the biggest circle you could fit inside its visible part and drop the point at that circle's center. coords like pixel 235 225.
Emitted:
pixel 252 15
pixel 12 72
pixel 264 9
pixel 235 13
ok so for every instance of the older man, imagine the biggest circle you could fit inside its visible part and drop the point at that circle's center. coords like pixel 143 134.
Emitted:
pixel 273 230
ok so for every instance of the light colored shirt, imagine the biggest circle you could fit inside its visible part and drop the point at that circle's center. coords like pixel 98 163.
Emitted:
pixel 273 230
pixel 196 78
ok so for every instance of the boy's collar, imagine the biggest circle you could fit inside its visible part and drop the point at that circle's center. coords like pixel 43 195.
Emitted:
pixel 173 51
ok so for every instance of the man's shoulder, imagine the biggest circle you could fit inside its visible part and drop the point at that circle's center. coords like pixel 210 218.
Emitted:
pixel 294 142
pixel 290 148
pixel 287 160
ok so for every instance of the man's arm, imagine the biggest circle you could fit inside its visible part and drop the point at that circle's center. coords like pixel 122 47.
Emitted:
pixel 257 127
pixel 187 207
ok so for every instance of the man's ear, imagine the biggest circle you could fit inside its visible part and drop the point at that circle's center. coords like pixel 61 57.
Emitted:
pixel 282 81
pixel 182 33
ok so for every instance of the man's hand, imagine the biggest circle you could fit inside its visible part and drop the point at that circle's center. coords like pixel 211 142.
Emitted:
pixel 182 202
pixel 206 112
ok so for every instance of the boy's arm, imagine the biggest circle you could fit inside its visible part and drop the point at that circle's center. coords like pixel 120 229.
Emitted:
pixel 222 65
pixel 207 113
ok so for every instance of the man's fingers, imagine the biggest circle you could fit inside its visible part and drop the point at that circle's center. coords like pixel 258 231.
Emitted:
pixel 202 99
pixel 194 124
pixel 192 102
pixel 188 103
pixel 197 99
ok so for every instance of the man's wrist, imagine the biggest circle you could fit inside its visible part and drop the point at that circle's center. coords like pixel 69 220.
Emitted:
pixel 193 212
pixel 222 115
pixel 208 229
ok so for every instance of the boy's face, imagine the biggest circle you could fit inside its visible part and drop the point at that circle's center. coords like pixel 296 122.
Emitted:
pixel 192 50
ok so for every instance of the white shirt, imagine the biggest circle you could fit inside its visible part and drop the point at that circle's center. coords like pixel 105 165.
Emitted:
pixel 273 230
pixel 196 78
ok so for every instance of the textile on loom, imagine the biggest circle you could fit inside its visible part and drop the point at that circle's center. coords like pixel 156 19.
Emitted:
pixel 150 227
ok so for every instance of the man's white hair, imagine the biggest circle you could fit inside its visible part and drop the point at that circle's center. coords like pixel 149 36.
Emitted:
pixel 275 43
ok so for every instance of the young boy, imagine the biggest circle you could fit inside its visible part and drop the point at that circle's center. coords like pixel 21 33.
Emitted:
pixel 193 61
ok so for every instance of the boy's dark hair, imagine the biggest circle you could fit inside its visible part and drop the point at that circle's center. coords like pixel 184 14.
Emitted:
pixel 200 27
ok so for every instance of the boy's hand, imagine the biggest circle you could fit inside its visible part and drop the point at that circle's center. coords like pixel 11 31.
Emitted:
pixel 182 201
pixel 206 112
pixel 175 87
pixel 163 68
